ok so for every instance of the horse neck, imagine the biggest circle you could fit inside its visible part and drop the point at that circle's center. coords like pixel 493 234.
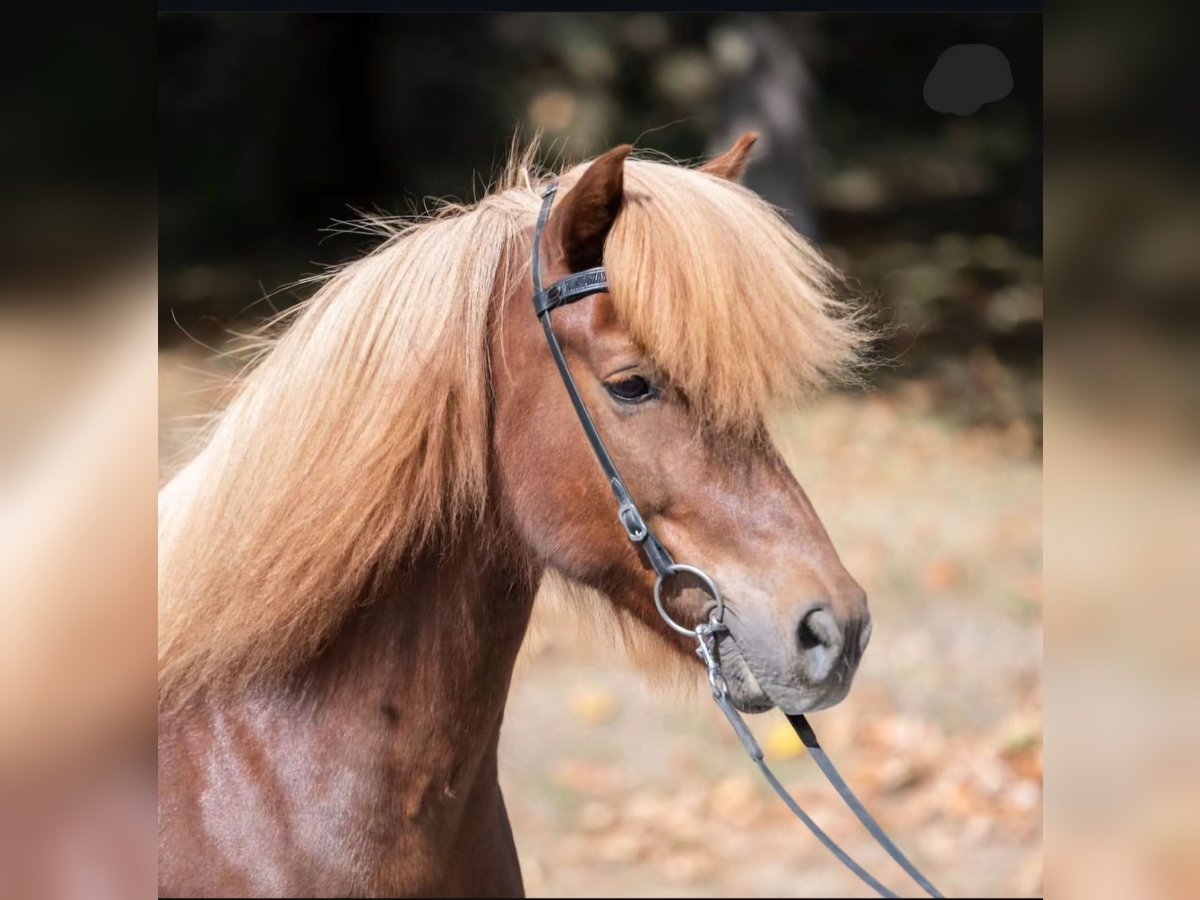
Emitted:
pixel 432 655
pixel 381 754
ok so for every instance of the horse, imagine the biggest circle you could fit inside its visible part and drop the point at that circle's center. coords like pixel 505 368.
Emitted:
pixel 348 565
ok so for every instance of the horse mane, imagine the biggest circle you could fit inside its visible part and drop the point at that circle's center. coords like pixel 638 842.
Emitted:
pixel 364 426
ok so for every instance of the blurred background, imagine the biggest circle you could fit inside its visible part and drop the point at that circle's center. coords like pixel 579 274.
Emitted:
pixel 274 128
pixel 78 326
pixel 1122 460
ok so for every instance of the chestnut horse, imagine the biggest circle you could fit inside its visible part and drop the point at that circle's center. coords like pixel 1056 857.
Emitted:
pixel 349 564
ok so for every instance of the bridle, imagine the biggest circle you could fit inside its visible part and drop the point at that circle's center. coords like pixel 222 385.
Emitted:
pixel 594 281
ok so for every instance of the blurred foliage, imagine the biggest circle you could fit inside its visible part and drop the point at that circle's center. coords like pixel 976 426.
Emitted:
pixel 273 127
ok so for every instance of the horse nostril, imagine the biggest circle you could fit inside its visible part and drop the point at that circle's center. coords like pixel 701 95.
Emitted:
pixel 818 629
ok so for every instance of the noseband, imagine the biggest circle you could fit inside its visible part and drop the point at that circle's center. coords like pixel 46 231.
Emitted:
pixel 595 281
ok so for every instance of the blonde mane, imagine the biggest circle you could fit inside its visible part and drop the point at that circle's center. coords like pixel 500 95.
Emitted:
pixel 365 426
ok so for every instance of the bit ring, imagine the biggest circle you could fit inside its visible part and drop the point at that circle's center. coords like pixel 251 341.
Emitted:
pixel 710 587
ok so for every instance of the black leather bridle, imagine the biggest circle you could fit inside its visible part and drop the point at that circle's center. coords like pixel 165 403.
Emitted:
pixel 594 281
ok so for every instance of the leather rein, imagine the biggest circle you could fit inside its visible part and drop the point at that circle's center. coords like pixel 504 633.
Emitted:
pixel 593 281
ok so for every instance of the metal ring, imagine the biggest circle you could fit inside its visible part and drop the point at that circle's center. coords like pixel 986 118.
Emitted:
pixel 709 585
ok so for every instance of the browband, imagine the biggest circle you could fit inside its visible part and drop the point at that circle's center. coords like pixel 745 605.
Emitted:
pixel 572 288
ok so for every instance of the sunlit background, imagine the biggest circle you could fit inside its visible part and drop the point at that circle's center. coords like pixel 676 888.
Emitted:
pixel 275 129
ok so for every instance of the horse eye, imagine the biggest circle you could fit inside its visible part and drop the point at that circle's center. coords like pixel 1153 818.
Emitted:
pixel 631 389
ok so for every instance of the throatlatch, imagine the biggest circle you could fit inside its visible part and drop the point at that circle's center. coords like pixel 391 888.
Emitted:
pixel 594 281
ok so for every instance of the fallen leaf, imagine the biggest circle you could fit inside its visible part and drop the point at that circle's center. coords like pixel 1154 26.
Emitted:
pixel 782 742
pixel 593 704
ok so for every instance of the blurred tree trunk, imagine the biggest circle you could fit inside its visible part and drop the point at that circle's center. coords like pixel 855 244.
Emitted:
pixel 767 88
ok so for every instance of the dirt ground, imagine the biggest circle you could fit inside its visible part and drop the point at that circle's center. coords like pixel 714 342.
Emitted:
pixel 617 787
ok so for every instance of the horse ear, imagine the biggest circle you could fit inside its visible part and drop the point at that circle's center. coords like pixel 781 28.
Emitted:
pixel 589 209
pixel 732 163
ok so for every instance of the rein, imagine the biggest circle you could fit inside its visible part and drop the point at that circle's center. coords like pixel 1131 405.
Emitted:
pixel 593 281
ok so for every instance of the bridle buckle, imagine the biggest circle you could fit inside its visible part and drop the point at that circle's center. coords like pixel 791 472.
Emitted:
pixel 635 525
pixel 628 513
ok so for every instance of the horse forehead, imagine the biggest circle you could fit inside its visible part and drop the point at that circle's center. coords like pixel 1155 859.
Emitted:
pixel 591 327
pixel 604 314
pixel 606 336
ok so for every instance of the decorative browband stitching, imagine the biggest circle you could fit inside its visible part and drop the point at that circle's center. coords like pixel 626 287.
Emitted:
pixel 572 288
